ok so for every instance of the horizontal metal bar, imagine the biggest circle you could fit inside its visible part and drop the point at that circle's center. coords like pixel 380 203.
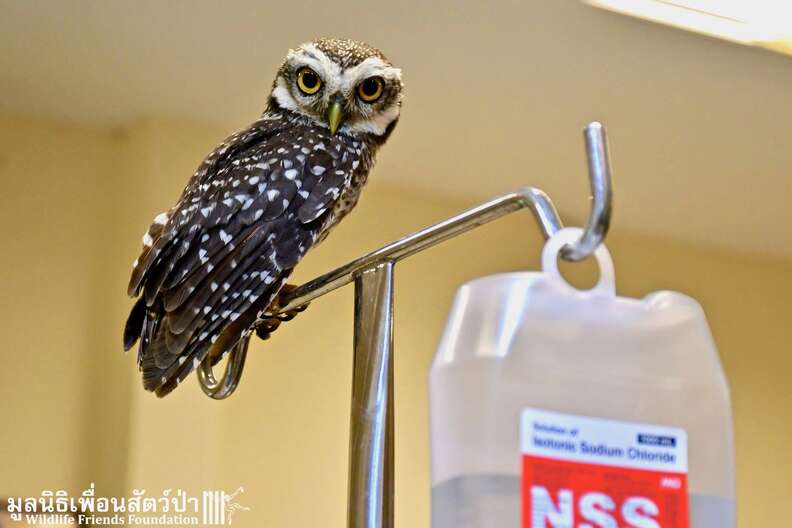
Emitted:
pixel 528 197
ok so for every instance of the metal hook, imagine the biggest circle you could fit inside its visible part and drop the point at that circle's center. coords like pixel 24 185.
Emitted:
pixel 528 197
pixel 220 390
pixel 598 159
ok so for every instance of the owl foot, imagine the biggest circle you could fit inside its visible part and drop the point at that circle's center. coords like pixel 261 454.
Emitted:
pixel 270 322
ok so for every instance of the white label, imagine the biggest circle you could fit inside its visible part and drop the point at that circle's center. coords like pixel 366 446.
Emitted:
pixel 599 441
pixel 580 472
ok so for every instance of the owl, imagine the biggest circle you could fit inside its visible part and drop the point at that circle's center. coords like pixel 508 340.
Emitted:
pixel 213 264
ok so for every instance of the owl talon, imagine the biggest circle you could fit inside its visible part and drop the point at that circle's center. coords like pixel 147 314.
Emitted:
pixel 265 327
pixel 270 322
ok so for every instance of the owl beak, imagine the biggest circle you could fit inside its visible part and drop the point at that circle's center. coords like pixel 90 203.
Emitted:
pixel 335 115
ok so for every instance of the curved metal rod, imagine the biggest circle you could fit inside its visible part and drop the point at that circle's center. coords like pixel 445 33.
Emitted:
pixel 598 159
pixel 528 197
pixel 220 390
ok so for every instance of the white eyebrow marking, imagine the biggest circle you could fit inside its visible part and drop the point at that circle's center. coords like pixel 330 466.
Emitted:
pixel 373 66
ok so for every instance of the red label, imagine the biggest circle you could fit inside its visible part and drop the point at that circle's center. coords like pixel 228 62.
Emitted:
pixel 565 494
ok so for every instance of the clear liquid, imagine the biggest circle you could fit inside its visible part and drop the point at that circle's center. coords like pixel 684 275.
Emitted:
pixel 493 501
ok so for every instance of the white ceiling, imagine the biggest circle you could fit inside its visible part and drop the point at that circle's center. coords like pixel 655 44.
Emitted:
pixel 497 93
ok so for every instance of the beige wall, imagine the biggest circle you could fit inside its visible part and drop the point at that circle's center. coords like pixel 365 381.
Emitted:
pixel 74 204
pixel 55 181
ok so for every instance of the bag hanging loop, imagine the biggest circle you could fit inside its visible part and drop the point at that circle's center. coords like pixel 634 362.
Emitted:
pixel 606 285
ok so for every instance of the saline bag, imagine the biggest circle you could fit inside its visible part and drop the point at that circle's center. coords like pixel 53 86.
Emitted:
pixel 553 407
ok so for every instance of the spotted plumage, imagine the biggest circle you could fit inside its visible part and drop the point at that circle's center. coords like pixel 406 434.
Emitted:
pixel 214 263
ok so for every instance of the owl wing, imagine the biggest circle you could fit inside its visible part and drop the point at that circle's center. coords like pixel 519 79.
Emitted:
pixel 215 261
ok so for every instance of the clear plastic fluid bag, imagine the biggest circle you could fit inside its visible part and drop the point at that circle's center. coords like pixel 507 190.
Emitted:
pixel 553 407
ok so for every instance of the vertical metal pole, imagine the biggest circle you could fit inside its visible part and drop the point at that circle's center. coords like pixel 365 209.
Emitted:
pixel 371 453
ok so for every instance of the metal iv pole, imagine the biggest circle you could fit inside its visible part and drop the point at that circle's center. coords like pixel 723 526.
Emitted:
pixel 371 454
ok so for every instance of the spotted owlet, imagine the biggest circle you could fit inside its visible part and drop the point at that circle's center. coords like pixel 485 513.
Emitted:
pixel 214 263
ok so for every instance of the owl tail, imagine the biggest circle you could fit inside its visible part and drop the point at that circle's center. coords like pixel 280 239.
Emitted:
pixel 134 324
pixel 162 371
pixel 143 324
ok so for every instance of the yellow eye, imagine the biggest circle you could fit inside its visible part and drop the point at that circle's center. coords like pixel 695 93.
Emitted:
pixel 308 81
pixel 371 89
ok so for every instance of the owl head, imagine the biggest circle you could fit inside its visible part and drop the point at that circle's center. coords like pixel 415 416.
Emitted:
pixel 346 86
